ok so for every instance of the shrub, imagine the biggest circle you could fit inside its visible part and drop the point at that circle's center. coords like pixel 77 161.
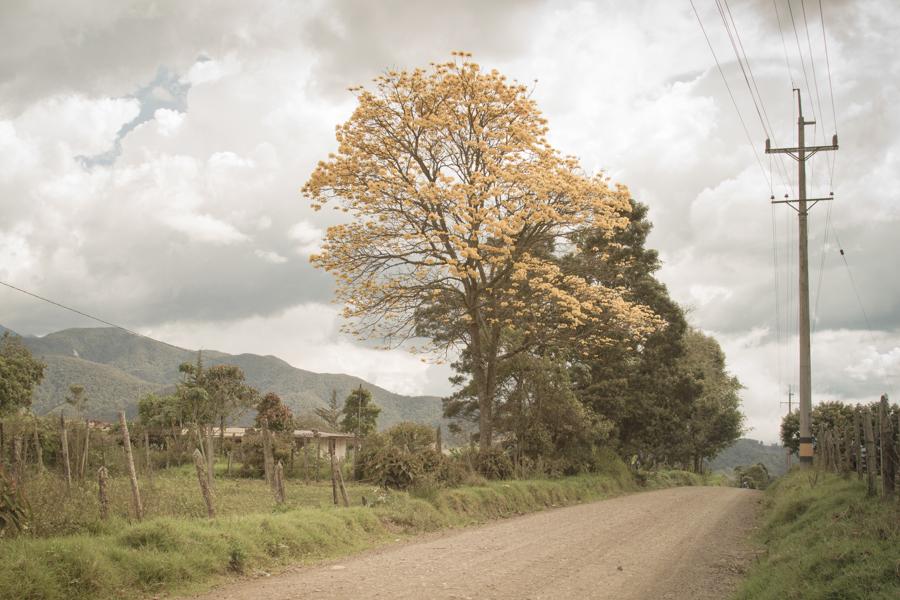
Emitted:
pixel 493 463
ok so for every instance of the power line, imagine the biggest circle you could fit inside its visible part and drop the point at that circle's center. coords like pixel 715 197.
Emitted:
pixel 800 52
pixel 812 65
pixel 862 308
pixel 787 61
pixel 731 95
pixel 741 54
pixel 830 92
pixel 84 314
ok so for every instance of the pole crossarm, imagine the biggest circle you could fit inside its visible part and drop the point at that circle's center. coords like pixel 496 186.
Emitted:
pixel 812 201
pixel 806 150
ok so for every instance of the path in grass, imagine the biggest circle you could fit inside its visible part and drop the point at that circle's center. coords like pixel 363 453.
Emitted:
pixel 688 542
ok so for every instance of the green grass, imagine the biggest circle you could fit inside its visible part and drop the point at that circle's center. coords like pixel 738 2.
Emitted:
pixel 176 549
pixel 826 542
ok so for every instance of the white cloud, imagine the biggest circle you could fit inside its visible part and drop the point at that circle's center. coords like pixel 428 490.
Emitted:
pixel 205 228
pixel 270 256
pixel 307 236
pixel 168 121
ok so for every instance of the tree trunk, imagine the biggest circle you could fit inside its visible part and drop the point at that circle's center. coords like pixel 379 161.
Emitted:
pixel 203 480
pixel 64 445
pixel 437 440
pixel 132 474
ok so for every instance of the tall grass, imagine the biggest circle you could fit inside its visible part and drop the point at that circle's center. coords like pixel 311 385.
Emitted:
pixel 825 540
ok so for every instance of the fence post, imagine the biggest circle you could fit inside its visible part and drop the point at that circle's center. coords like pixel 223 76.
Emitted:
pixel 132 474
pixel 64 443
pixel 334 487
pixel 871 461
pixel 38 450
pixel 103 492
pixel 857 453
pixel 278 486
pixel 888 451
pixel 203 480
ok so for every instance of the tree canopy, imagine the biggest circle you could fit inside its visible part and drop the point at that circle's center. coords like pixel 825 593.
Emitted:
pixel 20 373
pixel 360 414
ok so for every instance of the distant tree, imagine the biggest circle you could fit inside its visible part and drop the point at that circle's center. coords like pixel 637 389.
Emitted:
pixel 77 398
pixel 360 414
pixel 331 414
pixel 229 394
pixel 272 410
pixel 20 374
pixel 159 413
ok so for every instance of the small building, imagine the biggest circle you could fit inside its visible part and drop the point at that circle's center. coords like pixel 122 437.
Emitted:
pixel 325 442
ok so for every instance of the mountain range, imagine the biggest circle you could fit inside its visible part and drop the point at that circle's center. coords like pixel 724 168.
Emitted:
pixel 117 369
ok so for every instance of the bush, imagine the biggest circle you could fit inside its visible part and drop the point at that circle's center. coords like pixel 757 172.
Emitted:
pixel 494 463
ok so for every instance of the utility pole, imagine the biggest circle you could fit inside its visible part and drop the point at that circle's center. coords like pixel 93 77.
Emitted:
pixel 801 153
pixel 790 409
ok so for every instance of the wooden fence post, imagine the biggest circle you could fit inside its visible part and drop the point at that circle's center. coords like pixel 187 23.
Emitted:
pixel 132 474
pixel 857 452
pixel 278 488
pixel 103 492
pixel 334 489
pixel 38 450
pixel 64 443
pixel 888 451
pixel 147 460
pixel 203 480
pixel 438 441
pixel 268 458
pixel 343 490
pixel 871 461
pixel 82 468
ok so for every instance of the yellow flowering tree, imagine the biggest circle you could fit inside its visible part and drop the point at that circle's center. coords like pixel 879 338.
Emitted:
pixel 459 205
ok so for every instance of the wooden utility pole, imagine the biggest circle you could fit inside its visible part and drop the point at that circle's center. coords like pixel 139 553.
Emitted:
pixel 801 154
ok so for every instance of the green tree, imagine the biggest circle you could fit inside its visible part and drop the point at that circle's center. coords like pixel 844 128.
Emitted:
pixel 715 420
pixel 20 374
pixel 276 415
pixel 331 414
pixel 77 398
pixel 360 414
pixel 834 415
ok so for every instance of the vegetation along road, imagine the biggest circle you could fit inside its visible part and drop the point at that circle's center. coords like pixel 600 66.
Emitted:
pixel 688 542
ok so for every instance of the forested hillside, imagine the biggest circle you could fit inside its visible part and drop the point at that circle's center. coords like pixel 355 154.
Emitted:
pixel 117 369
pixel 745 452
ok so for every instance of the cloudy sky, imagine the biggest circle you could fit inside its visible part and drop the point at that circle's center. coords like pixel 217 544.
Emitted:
pixel 152 154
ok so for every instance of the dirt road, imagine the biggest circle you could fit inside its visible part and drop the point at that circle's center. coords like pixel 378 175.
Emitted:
pixel 678 543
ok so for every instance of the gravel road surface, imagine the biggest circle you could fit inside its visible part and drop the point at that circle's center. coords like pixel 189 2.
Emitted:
pixel 688 543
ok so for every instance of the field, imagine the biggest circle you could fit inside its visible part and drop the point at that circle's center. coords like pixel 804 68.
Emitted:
pixel 825 540
pixel 71 553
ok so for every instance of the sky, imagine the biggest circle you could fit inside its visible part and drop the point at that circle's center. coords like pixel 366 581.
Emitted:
pixel 153 152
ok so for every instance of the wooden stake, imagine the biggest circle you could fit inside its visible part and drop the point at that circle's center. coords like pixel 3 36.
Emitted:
pixel 857 452
pixel 334 489
pixel 888 450
pixel 268 460
pixel 82 468
pixel 64 443
pixel 17 458
pixel 871 467
pixel 278 488
pixel 38 450
pixel 132 474
pixel 210 457
pixel 203 480
pixel 340 478
pixel 103 492
pixel 149 466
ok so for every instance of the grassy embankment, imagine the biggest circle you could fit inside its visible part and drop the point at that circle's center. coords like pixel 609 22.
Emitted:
pixel 72 554
pixel 826 541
